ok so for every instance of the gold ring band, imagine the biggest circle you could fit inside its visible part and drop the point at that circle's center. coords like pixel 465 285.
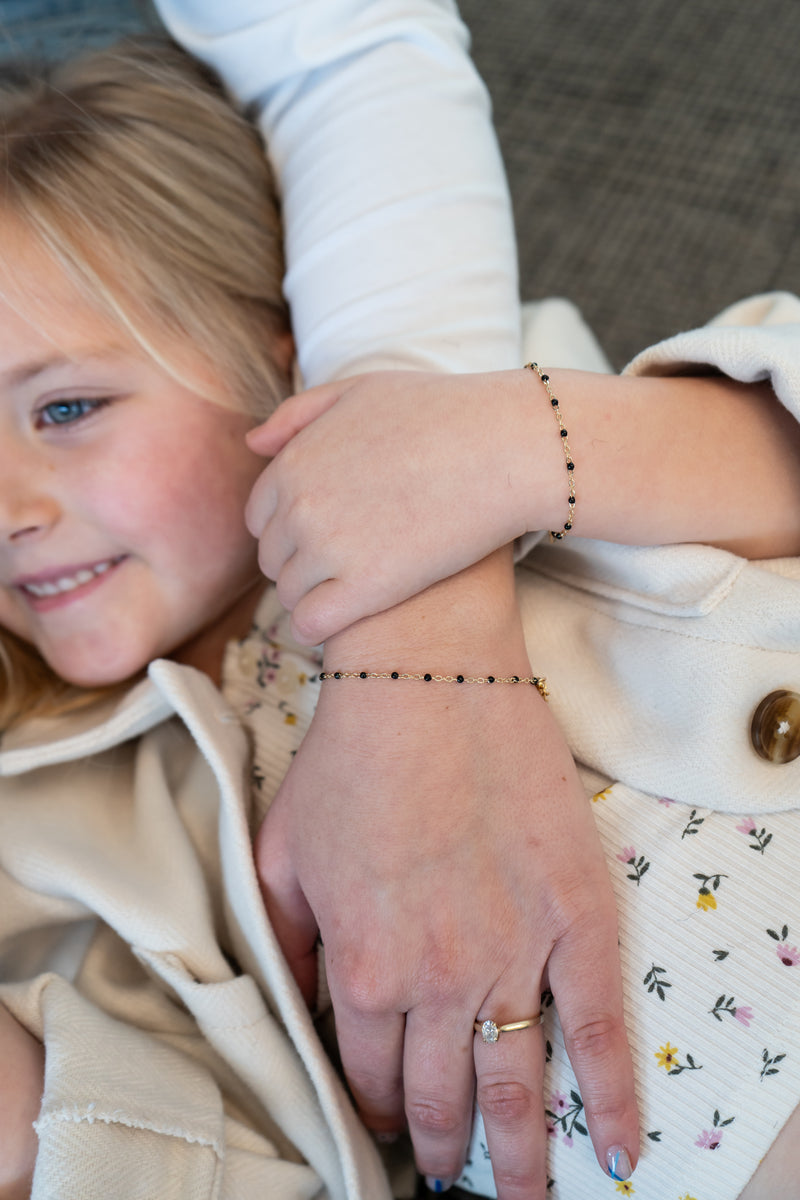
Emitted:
pixel 490 1031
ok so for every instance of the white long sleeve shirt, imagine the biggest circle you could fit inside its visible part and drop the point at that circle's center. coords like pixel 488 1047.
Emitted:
pixel 399 237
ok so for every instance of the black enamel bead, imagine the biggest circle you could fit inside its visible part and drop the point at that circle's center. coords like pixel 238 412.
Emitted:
pixel 490 679
pixel 363 675
pixel 428 678
pixel 395 675
pixel 563 433
pixel 459 678
pixel 570 466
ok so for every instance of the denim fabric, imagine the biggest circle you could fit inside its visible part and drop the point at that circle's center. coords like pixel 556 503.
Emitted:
pixel 53 29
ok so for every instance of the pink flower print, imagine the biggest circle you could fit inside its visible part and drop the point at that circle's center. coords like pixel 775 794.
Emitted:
pixel 747 826
pixel 567 1140
pixel 626 854
pixel 744 1015
pixel 709 1139
pixel 551 1129
pixel 559 1103
pixel 789 955
pixel 665 800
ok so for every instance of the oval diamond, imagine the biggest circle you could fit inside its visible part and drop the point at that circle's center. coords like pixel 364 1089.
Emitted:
pixel 489 1031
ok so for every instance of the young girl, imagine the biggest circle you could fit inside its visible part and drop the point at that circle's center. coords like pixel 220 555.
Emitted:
pixel 672 669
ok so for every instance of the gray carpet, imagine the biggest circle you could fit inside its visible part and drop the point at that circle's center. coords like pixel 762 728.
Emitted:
pixel 653 152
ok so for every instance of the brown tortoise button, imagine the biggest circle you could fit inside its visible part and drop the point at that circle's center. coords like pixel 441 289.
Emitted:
pixel 775 728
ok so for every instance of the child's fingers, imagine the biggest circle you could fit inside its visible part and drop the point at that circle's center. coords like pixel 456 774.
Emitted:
pixel 293 415
pixel 326 610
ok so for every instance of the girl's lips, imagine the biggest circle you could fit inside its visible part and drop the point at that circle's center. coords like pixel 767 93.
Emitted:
pixel 47 591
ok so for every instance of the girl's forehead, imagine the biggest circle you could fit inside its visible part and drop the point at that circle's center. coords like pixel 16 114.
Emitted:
pixel 46 316
pixel 41 305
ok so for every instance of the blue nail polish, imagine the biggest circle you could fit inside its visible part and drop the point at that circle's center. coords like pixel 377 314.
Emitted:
pixel 618 1163
pixel 438 1185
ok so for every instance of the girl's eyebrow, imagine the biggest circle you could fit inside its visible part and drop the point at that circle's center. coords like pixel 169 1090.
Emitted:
pixel 27 371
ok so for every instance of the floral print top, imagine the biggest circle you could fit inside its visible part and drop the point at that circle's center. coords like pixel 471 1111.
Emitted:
pixel 709 924
pixel 272 684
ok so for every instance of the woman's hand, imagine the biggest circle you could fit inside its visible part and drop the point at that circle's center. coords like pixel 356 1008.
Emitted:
pixel 438 838
pixel 21 1087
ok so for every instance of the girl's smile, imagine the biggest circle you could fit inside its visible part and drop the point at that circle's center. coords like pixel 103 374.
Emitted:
pixel 52 588
pixel 122 490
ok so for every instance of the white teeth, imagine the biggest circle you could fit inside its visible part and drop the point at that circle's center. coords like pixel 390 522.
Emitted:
pixel 69 582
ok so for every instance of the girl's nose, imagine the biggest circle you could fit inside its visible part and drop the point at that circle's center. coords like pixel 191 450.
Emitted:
pixel 26 509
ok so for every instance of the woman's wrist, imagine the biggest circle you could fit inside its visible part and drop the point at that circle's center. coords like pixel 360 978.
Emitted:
pixel 469 621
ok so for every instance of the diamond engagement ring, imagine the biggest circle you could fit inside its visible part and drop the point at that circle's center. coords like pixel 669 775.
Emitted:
pixel 490 1031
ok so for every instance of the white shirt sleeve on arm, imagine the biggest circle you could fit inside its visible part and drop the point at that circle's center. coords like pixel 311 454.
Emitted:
pixel 399 235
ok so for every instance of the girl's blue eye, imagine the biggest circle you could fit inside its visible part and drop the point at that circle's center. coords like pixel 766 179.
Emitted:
pixel 66 412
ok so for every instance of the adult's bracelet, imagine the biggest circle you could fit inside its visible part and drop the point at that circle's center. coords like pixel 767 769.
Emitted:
pixel 556 535
pixel 537 681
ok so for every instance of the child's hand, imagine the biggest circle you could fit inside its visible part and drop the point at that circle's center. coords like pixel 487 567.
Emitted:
pixel 385 483
pixel 21 1087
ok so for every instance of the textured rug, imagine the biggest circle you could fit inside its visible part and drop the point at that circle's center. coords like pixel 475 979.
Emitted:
pixel 653 152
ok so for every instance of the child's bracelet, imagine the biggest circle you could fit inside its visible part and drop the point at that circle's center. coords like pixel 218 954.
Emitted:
pixel 557 535
pixel 537 681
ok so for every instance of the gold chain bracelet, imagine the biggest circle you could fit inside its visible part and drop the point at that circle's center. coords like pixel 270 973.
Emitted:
pixel 537 681
pixel 556 535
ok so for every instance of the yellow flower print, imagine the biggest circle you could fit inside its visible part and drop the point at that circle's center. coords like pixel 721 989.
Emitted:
pixel 606 792
pixel 667 1056
pixel 706 901
pixel 302 678
pixel 687 1197
pixel 290 719
pixel 626 1187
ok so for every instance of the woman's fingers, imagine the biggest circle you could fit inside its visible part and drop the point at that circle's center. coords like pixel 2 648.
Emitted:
pixel 439 1086
pixel 370 1034
pixel 592 1020
pixel 509 1074
pixel 287 908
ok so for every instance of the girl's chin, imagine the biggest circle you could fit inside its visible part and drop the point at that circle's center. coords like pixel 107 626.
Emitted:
pixel 109 675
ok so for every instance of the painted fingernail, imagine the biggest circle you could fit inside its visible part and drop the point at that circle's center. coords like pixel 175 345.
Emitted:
pixel 618 1163
pixel 438 1185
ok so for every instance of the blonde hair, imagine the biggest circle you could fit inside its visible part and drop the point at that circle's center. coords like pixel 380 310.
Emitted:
pixel 135 173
